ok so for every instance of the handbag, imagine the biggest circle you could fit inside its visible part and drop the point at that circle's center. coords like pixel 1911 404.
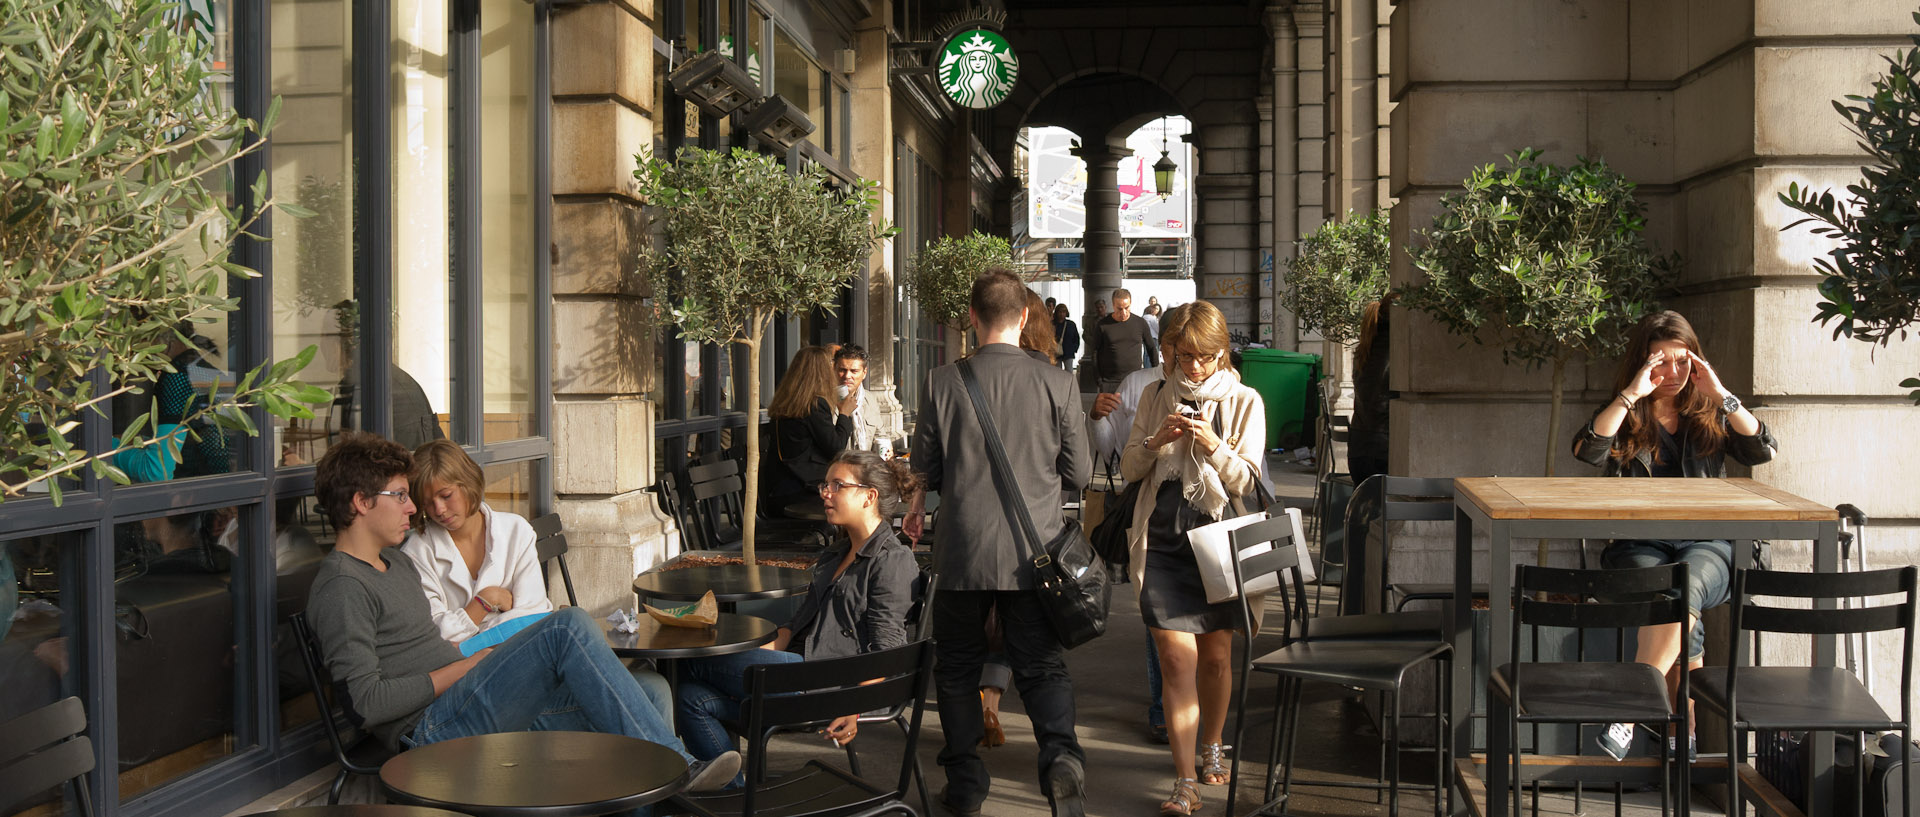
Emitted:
pixel 1067 576
pixel 1213 551
pixel 1109 537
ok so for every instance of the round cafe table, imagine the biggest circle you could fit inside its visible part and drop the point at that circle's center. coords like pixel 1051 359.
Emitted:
pixel 729 583
pixel 535 774
pixel 732 633
pixel 359 810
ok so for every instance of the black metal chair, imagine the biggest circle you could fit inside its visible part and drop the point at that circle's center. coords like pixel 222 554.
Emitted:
pixel 1419 500
pixel 1589 692
pixel 919 628
pixel 1815 699
pixel 550 548
pixel 43 749
pixel 796 695
pixel 710 506
pixel 1265 549
pixel 357 752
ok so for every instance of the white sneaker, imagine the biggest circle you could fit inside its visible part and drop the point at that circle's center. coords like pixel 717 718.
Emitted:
pixel 1693 748
pixel 1617 740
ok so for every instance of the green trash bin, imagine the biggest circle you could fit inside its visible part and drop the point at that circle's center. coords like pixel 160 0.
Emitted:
pixel 1285 381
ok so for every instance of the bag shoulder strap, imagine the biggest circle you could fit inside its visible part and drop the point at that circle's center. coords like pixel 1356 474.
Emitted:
pixel 1259 485
pixel 1003 480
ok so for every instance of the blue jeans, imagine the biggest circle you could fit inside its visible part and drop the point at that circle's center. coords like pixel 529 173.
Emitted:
pixel 557 674
pixel 711 690
pixel 1709 573
pixel 1156 714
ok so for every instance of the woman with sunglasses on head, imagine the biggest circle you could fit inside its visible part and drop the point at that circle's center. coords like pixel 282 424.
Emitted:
pixel 1670 416
pixel 862 588
pixel 1197 443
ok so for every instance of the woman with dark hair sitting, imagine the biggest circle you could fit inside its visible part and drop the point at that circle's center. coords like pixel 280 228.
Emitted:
pixel 862 588
pixel 807 430
pixel 1670 416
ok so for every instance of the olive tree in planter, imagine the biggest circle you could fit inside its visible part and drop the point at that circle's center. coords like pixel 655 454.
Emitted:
pixel 1339 269
pixel 1546 261
pixel 940 279
pixel 741 238
pixel 115 153
pixel 1872 286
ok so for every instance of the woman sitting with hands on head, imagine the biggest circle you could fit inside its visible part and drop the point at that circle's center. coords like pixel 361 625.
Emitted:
pixel 862 588
pixel 1670 416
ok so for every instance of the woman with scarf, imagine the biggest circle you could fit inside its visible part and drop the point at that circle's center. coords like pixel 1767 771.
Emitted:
pixel 1197 441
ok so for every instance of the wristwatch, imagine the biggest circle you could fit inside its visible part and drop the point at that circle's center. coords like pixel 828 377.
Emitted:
pixel 1730 404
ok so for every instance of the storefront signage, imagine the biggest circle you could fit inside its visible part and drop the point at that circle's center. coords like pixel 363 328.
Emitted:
pixel 978 68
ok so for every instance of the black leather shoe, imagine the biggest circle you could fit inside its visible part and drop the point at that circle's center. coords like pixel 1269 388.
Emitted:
pixel 1068 780
pixel 949 807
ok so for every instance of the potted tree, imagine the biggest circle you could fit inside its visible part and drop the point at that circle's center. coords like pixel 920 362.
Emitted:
pixel 1339 269
pixel 940 279
pixel 742 238
pixel 114 228
pixel 1871 292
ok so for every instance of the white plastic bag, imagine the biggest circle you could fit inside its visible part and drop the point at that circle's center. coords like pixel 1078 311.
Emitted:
pixel 1215 555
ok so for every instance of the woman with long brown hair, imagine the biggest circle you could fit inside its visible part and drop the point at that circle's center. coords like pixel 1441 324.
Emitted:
pixel 807 430
pixel 1670 416
pixel 1037 335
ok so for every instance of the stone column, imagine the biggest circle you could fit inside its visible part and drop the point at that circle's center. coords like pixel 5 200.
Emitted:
pixel 1225 193
pixel 1285 152
pixel 872 159
pixel 1102 273
pixel 603 340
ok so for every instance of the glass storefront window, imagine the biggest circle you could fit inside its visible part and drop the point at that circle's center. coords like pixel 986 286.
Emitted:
pixel 314 302
pixel 798 78
pixel 301 536
pixel 422 212
pixel 510 486
pixel 40 633
pixel 174 655
pixel 507 254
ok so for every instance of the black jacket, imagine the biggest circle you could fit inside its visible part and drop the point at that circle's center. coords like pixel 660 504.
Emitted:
pixel 1594 449
pixel 862 611
pixel 803 447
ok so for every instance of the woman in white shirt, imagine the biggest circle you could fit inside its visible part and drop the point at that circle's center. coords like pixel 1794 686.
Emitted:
pixel 477 565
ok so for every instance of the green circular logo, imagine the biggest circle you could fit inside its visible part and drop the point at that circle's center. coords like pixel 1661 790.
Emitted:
pixel 977 68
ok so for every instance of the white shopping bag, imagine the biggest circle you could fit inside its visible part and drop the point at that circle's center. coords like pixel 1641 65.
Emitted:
pixel 1215 555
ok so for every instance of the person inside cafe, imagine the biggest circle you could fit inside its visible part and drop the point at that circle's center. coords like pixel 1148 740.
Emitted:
pixel 808 429
pixel 408 685
pixel 857 602
pixel 850 369
pixel 1671 416
pixel 1197 442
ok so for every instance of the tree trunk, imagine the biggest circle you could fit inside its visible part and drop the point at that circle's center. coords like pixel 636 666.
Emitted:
pixel 1553 430
pixel 750 502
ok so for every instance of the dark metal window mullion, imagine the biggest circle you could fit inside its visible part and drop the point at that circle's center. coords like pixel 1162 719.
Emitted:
pixel 468 387
pixel 542 108
pixel 373 208
pixel 97 657
pixel 256 718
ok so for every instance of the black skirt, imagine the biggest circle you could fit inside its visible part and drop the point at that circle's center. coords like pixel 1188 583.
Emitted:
pixel 1172 596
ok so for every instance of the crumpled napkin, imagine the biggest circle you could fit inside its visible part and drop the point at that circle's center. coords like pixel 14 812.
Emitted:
pixel 624 622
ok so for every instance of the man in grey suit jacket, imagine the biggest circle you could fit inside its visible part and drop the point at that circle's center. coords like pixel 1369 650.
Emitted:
pixel 1036 409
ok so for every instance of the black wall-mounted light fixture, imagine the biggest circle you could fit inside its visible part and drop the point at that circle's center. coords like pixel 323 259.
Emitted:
pixel 716 84
pixel 778 122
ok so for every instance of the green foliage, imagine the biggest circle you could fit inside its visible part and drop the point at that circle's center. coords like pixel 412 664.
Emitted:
pixel 1339 269
pixel 940 279
pixel 743 238
pixel 114 224
pixel 1551 258
pixel 1871 291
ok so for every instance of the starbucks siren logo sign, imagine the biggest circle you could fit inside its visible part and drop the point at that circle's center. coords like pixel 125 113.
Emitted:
pixel 977 69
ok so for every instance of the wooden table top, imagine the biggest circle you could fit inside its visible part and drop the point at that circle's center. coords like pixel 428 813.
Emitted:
pixel 1650 498
pixel 536 773
pixel 732 633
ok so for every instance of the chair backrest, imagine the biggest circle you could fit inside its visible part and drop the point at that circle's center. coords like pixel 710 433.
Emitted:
pixel 1752 616
pixel 716 494
pixel 920 614
pixel 809 692
pixel 550 548
pixel 1596 599
pixel 671 489
pixel 1266 548
pixel 43 749
pixel 326 694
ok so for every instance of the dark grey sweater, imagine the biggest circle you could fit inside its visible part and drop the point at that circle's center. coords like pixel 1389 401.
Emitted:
pixel 378 638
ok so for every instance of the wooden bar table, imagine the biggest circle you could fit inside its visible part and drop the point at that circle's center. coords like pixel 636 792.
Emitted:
pixel 1506 508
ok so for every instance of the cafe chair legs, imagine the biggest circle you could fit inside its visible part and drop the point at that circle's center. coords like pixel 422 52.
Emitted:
pixel 355 752
pixel 1265 557
pixel 1589 692
pixel 43 749
pixel 1815 699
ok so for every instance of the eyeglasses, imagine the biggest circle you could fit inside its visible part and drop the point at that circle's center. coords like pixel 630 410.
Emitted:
pixel 836 486
pixel 400 495
pixel 1187 360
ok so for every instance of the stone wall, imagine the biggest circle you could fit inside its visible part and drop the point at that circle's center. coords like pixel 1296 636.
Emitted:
pixel 1713 107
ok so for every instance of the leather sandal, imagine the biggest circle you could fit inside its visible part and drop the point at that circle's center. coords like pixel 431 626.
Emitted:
pixel 994 735
pixel 1185 799
pixel 1214 770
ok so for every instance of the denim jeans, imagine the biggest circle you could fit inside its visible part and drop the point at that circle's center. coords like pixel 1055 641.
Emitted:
pixel 557 674
pixel 1039 673
pixel 1156 714
pixel 1709 573
pixel 711 690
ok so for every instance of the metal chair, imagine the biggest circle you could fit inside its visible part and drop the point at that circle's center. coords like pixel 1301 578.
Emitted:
pixel 710 505
pixel 1265 549
pixel 794 695
pixel 356 752
pixel 1589 692
pixel 1818 699
pixel 550 548
pixel 43 749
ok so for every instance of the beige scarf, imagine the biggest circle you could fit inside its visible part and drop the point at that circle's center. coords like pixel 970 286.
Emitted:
pixel 1199 481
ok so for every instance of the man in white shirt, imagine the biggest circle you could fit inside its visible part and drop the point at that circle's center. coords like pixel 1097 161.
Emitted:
pixel 850 365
